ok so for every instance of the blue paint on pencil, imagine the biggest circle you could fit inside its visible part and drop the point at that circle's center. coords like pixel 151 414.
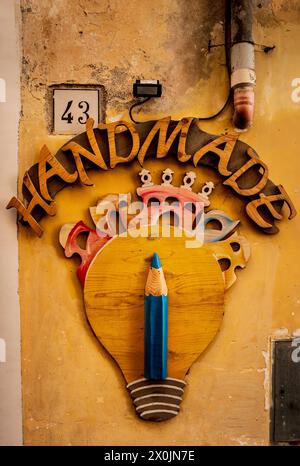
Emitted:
pixel 156 323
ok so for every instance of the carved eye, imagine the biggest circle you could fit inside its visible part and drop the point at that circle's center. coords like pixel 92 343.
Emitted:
pixel 214 224
pixel 224 264
pixel 82 239
pixel 235 246
pixel 167 177
pixel 188 180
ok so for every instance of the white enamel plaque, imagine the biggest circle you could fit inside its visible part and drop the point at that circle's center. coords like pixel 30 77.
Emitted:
pixel 72 108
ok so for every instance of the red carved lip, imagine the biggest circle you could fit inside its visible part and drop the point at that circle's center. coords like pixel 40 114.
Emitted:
pixel 94 243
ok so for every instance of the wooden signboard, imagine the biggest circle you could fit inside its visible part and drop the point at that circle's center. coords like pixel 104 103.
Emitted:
pixel 165 337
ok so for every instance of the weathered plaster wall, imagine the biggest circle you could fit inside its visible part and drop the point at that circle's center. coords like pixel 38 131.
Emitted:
pixel 72 392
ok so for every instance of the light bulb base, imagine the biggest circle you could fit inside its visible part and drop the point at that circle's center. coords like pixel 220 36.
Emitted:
pixel 157 400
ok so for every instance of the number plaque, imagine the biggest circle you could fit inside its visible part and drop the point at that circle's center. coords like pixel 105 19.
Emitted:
pixel 72 108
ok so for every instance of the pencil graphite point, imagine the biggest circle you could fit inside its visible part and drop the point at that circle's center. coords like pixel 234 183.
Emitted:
pixel 155 263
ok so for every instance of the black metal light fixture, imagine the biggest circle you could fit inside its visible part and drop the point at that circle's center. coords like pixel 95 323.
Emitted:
pixel 147 88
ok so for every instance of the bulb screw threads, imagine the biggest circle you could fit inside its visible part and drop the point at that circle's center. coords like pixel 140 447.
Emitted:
pixel 157 400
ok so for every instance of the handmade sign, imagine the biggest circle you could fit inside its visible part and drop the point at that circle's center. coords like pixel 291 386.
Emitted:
pixel 183 293
pixel 110 144
pixel 154 272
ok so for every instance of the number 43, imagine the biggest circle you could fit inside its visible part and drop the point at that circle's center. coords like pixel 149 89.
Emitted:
pixel 68 117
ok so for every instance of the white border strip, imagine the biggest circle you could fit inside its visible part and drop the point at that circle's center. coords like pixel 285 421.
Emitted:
pixel 144 380
pixel 158 394
pixel 10 371
pixel 159 411
pixel 157 403
pixel 145 387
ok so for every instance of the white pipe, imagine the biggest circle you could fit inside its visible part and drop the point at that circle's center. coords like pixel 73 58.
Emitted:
pixel 243 79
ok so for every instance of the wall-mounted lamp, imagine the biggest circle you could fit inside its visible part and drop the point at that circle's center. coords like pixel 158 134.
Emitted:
pixel 146 88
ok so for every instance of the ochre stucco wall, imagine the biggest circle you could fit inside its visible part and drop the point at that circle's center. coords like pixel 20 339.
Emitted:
pixel 73 393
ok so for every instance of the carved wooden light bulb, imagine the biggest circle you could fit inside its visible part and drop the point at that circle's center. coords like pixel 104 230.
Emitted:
pixel 114 272
pixel 114 302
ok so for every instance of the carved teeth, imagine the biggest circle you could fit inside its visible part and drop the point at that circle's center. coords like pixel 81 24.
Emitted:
pixel 146 177
pixel 188 180
pixel 207 188
pixel 167 177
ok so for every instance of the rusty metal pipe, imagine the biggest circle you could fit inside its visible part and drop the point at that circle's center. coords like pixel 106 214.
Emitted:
pixel 243 76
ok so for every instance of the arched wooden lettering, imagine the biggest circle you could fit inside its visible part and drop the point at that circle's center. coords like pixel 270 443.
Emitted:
pixel 98 148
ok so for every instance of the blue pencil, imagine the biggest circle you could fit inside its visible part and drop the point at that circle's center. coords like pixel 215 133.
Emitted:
pixel 156 323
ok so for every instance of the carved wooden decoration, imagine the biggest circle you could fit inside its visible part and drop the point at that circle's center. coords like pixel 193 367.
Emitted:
pixel 114 271
pixel 107 146
pixel 199 260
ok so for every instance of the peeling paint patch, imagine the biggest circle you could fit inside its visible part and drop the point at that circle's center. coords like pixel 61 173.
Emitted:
pixel 281 332
pixel 267 372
